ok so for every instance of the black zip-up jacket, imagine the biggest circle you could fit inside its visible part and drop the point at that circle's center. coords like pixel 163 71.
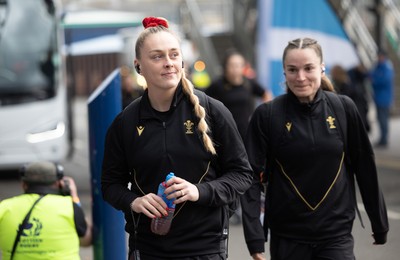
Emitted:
pixel 143 146
pixel 311 188
pixel 239 99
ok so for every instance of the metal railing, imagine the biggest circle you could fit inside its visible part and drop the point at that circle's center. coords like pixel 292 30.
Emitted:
pixel 359 34
pixel 392 25
pixel 200 20
pixel 208 21
pixel 357 31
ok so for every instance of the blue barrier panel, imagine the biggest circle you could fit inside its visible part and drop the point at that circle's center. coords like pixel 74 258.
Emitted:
pixel 108 224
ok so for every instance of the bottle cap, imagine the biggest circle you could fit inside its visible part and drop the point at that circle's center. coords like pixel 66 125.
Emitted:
pixel 169 176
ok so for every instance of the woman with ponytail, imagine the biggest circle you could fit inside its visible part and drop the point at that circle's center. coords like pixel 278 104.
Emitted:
pixel 173 128
pixel 310 147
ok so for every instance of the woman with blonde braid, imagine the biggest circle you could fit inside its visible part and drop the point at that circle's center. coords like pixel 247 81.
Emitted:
pixel 173 128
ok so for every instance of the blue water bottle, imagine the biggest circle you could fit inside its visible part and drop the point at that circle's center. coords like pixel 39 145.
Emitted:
pixel 162 225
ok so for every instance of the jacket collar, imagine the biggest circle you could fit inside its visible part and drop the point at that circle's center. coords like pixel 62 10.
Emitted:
pixel 146 111
pixel 317 98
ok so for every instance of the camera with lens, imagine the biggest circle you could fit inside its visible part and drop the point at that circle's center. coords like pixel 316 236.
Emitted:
pixel 64 189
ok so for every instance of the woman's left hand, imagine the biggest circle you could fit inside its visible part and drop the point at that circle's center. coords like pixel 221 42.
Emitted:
pixel 181 190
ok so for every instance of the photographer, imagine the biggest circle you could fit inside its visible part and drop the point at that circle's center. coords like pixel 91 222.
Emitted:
pixel 46 222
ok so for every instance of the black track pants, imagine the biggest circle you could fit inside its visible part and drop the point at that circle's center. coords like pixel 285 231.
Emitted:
pixel 341 248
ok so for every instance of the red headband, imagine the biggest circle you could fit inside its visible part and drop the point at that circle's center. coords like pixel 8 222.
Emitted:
pixel 154 21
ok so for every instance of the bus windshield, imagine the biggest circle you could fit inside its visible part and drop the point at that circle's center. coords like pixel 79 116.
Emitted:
pixel 28 54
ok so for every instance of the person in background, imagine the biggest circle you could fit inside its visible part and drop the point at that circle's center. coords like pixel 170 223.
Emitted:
pixel 359 81
pixel 350 83
pixel 309 166
pixel 46 222
pixel 341 81
pixel 381 77
pixel 130 90
pixel 175 128
pixel 237 92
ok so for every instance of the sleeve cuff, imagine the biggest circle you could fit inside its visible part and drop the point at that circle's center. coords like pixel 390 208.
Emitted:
pixel 380 238
pixel 203 194
pixel 76 200
pixel 257 246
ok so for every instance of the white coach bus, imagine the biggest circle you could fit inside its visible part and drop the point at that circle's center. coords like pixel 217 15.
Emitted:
pixel 34 104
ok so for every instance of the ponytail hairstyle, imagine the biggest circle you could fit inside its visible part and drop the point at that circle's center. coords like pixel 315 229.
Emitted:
pixel 154 25
pixel 303 43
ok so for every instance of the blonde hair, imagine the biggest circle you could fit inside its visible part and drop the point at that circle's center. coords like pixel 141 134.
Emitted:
pixel 188 88
pixel 200 112
pixel 303 43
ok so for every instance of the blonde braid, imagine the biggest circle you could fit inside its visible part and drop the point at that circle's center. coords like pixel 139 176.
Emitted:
pixel 200 113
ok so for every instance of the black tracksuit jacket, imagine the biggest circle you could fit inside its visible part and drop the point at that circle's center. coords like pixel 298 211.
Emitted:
pixel 170 142
pixel 311 189
pixel 239 99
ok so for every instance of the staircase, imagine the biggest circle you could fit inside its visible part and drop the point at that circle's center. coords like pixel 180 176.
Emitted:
pixel 217 25
pixel 357 31
pixel 387 36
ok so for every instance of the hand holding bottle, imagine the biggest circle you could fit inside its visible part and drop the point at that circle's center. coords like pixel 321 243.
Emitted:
pixel 150 205
pixel 162 225
pixel 181 190
pixel 153 206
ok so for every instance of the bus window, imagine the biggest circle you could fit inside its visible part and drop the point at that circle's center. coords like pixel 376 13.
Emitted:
pixel 34 107
pixel 27 45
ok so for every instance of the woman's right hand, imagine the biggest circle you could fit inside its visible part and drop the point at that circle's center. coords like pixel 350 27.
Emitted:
pixel 151 205
pixel 258 256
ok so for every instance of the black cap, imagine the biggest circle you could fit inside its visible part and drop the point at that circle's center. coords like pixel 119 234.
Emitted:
pixel 40 173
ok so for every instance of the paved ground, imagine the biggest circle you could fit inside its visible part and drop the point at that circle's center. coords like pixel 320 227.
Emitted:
pixel 389 156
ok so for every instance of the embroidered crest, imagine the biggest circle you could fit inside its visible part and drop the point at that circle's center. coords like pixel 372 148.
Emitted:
pixel 140 129
pixel 331 122
pixel 189 127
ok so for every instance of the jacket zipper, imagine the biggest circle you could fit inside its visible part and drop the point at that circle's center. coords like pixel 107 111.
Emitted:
pixel 311 126
pixel 165 135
